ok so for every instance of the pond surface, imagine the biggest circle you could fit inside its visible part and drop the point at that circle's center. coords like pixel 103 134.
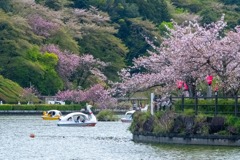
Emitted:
pixel 105 141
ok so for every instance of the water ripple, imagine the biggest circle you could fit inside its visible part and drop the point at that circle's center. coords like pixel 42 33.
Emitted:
pixel 105 141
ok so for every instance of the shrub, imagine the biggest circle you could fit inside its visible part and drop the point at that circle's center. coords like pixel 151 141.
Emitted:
pixel 106 115
pixel 163 122
pixel 189 112
pixel 68 107
pixel 139 118
pixel 24 107
pixel 6 107
pixel 207 105
pixel 45 107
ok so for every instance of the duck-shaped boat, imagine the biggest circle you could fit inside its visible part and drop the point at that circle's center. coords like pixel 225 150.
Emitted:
pixel 79 119
pixel 51 115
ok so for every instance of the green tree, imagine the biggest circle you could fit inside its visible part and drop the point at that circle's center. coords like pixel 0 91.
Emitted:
pixel 133 32
pixel 153 10
pixel 6 5
pixel 108 49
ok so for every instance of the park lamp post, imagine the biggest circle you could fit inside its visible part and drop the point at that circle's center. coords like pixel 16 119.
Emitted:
pixel 209 80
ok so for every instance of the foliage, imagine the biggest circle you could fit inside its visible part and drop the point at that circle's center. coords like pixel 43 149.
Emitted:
pixel 189 112
pixel 76 69
pixel 170 123
pixel 188 53
pixel 139 118
pixel 16 40
pixel 64 40
pixel 106 115
pixel 124 105
pixel 234 122
pixel 37 69
pixel 163 29
pixel 109 49
pixel 111 31
pixel 154 10
pixel 96 95
pixel 29 94
pixel 100 96
pixel 24 107
pixel 231 2
pixel 132 31
pixel 41 26
pixel 6 5
pixel 6 107
pixel 41 107
pixel 207 106
pixel 163 122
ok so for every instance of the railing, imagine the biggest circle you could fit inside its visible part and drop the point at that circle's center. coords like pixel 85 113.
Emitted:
pixel 209 105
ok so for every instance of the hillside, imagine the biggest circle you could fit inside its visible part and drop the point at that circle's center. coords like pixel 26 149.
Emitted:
pixel 9 91
pixel 113 32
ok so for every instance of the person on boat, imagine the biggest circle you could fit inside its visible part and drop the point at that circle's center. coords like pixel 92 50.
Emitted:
pixel 44 113
pixel 50 114
pixel 81 119
pixel 78 119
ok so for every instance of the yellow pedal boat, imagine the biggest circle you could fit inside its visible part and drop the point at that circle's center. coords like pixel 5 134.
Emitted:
pixel 51 115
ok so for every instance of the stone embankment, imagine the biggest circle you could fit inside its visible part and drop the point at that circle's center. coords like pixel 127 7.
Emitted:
pixel 214 140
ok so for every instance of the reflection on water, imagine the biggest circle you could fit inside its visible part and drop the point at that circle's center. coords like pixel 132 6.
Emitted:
pixel 105 141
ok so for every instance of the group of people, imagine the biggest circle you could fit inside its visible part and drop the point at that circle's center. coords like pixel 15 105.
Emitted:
pixel 78 119
pixel 161 103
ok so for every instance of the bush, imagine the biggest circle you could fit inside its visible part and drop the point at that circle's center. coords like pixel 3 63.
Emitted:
pixel 106 115
pixel 207 105
pixel 233 122
pixel 67 107
pixel 6 107
pixel 23 107
pixel 45 107
pixel 163 122
pixel 189 112
pixel 139 118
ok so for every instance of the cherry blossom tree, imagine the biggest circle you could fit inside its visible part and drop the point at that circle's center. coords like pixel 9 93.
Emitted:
pixel 188 53
pixel 42 26
pixel 100 97
pixel 96 95
pixel 67 62
pixel 29 93
pixel 87 66
pixel 71 95
pixel 72 67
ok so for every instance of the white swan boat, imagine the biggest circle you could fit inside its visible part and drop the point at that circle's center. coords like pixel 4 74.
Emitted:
pixel 128 117
pixel 78 119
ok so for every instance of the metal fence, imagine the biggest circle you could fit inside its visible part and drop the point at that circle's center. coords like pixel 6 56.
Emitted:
pixel 209 105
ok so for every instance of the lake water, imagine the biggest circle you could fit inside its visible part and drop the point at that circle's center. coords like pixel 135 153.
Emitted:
pixel 105 141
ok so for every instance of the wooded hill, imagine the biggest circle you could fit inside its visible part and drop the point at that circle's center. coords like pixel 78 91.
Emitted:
pixel 112 31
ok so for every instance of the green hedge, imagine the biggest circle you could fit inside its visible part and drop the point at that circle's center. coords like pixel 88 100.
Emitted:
pixel 23 107
pixel 106 115
pixel 207 105
pixel 43 107
pixel 6 107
